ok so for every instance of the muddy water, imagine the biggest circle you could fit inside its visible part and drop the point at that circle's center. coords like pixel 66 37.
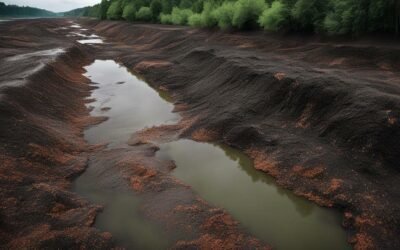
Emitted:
pixel 227 178
pixel 128 102
pixel 222 176
pixel 130 105
pixel 121 215
pixel 85 39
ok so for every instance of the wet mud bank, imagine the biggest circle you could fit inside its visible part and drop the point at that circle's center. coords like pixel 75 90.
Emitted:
pixel 46 100
pixel 322 118
pixel 138 218
pixel 42 116
pixel 145 207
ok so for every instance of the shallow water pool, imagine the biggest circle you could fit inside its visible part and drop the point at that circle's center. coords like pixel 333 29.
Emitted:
pixel 221 175
pixel 128 102
pixel 227 178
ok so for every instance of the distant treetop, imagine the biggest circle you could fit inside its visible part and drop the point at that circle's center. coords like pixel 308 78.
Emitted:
pixel 23 11
pixel 333 17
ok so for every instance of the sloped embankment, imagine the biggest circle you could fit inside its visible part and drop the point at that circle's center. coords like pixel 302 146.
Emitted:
pixel 42 114
pixel 321 117
pixel 43 92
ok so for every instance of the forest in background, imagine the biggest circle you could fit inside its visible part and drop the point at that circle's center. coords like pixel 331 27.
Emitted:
pixel 334 17
pixel 23 11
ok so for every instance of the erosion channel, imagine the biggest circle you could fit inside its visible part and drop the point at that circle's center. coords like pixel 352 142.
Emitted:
pixel 222 176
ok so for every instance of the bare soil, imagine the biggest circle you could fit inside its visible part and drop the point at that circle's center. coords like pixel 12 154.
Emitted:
pixel 322 117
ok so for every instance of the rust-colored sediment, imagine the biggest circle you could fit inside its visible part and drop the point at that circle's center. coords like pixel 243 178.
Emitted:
pixel 325 126
pixel 41 144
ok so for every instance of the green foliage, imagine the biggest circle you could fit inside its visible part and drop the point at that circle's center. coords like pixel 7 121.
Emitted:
pixel 274 18
pixel 166 7
pixel 104 5
pixel 114 12
pixel 178 16
pixel 185 4
pixel 129 12
pixel 93 11
pixel 156 8
pixel 332 17
pixel 165 18
pixel 195 20
pixel 14 10
pixel 207 17
pixel 344 18
pixel 197 6
pixel 144 14
pixel 309 14
pixel 247 12
pixel 357 17
pixel 224 15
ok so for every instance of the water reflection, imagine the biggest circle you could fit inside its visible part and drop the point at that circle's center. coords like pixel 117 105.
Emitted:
pixel 227 178
pixel 219 174
pixel 90 41
pixel 132 104
pixel 246 164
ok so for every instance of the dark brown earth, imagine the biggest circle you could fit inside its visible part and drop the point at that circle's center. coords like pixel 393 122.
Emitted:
pixel 322 117
pixel 42 117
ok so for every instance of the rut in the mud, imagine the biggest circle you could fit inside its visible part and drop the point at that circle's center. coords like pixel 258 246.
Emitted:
pixel 220 175
pixel 129 105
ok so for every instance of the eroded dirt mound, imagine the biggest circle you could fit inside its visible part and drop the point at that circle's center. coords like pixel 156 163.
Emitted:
pixel 321 117
pixel 42 114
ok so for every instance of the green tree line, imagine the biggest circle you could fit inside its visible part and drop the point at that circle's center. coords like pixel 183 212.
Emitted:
pixel 23 11
pixel 334 17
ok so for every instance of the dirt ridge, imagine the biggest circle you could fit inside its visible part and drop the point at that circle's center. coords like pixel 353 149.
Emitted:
pixel 42 115
pixel 324 122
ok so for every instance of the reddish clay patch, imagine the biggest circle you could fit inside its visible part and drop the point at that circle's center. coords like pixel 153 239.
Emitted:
pixel 310 172
pixel 263 163
pixel 147 64
pixel 204 135
pixel 280 76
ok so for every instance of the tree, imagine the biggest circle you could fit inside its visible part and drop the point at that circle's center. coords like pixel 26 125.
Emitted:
pixel 156 8
pixel 114 12
pixel 180 16
pixel 185 4
pixel 309 14
pixel 347 17
pixel 103 9
pixel 224 15
pixel 197 6
pixel 247 12
pixel 129 12
pixel 14 10
pixel 207 17
pixel 335 17
pixel 144 14
pixel 275 17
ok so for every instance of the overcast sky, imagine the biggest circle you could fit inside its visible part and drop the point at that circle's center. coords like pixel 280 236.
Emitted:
pixel 53 5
